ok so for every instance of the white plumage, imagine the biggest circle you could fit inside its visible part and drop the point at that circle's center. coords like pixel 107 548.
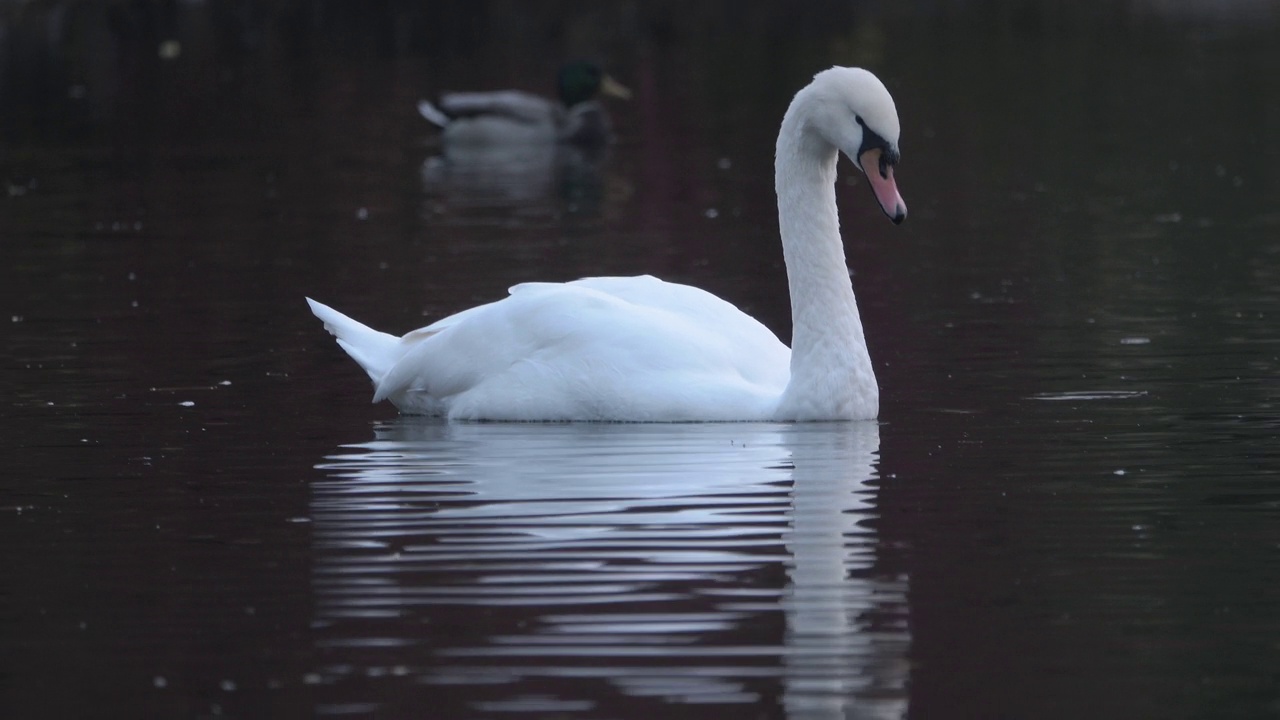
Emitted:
pixel 640 349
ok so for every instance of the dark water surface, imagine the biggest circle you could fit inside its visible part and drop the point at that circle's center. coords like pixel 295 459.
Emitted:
pixel 1068 509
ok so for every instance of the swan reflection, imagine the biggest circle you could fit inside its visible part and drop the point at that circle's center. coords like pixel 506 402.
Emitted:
pixel 569 568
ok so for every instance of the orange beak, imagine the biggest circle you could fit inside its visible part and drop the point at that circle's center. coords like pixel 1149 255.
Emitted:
pixel 882 184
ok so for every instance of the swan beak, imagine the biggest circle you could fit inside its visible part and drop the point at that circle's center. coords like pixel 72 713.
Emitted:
pixel 613 88
pixel 880 175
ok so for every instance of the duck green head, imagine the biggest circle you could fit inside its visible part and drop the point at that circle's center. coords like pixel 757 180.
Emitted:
pixel 580 82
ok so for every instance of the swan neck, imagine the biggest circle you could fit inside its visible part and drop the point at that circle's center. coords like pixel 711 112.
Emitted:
pixel 831 374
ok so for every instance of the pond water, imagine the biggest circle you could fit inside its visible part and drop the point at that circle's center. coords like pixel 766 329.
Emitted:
pixel 1068 508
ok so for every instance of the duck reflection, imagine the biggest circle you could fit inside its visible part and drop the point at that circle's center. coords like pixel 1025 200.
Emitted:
pixel 584 568
pixel 527 181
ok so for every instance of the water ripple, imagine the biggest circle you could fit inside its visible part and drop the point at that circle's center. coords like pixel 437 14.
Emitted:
pixel 710 565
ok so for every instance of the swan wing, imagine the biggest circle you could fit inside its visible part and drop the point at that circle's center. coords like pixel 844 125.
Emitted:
pixel 597 348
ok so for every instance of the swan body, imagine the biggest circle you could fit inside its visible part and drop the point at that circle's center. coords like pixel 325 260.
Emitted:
pixel 612 348
pixel 641 349
pixel 512 117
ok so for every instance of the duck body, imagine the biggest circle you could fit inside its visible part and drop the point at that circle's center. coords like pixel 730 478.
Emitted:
pixel 640 349
pixel 511 117
pixel 501 117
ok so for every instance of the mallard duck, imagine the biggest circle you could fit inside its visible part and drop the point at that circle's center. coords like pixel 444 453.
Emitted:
pixel 641 349
pixel 513 116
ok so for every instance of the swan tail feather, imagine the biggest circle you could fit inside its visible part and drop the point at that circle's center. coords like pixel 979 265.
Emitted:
pixel 374 351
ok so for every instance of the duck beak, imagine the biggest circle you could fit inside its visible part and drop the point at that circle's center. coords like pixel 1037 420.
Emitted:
pixel 880 175
pixel 613 88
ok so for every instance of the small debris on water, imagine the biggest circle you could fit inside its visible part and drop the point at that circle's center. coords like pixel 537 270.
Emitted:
pixel 169 50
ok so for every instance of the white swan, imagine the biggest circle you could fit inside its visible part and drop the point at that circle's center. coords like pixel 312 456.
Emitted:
pixel 512 117
pixel 640 349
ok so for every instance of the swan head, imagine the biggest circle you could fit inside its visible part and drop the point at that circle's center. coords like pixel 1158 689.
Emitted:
pixel 851 109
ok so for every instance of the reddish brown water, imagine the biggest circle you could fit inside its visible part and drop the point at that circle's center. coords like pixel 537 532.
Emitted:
pixel 1069 508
